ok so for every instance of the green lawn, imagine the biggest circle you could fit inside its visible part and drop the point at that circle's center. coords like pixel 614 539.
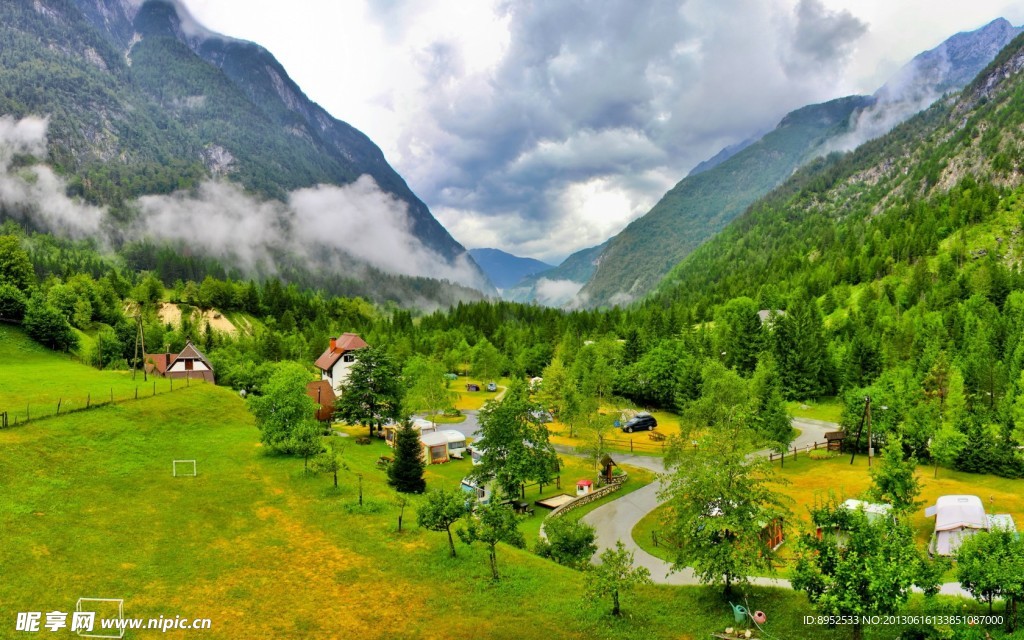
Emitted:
pixel 829 409
pixel 88 507
pixel 33 379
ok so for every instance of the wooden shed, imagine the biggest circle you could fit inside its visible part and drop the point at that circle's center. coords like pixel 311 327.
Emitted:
pixel 835 440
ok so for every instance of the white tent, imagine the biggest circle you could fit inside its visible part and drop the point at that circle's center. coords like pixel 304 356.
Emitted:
pixel 956 518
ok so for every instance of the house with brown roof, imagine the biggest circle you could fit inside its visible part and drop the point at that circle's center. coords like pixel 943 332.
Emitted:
pixel 190 363
pixel 336 362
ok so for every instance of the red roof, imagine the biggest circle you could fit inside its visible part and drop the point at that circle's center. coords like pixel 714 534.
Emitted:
pixel 585 483
pixel 158 362
pixel 344 343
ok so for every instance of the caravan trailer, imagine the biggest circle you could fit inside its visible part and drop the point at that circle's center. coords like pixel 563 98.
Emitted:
pixel 482 492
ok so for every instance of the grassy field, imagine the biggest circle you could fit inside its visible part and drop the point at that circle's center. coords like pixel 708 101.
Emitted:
pixel 474 400
pixel 827 409
pixel 33 380
pixel 88 506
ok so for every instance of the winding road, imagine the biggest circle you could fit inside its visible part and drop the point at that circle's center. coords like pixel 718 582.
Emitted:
pixel 615 520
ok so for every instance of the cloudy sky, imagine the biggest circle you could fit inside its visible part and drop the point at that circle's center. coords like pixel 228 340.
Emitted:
pixel 544 127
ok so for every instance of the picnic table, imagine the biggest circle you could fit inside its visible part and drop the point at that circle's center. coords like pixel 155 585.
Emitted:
pixel 654 435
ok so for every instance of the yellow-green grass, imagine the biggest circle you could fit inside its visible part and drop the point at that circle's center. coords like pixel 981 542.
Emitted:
pixel 33 379
pixel 812 481
pixel 440 418
pixel 829 409
pixel 89 507
pixel 474 400
pixel 669 424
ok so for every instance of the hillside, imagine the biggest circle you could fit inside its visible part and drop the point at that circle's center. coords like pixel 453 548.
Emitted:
pixel 141 102
pixel 942 185
pixel 559 285
pixel 504 269
pixel 703 203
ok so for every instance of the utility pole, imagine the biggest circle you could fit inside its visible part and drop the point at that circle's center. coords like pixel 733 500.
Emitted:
pixel 865 418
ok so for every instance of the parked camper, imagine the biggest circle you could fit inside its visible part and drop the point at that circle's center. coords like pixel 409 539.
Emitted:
pixel 435 447
pixel 456 443
pixel 482 492
pixel 959 517
pixel 390 431
pixel 477 450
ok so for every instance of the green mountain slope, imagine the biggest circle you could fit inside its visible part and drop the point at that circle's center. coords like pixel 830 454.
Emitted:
pixel 139 100
pixel 703 203
pixel 940 189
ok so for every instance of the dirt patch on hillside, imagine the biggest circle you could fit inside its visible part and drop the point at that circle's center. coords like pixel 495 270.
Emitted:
pixel 171 314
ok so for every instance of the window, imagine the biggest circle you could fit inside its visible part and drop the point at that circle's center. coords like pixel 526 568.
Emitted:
pixel 188 365
pixel 348 357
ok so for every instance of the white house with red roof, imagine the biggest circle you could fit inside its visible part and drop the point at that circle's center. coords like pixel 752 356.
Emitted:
pixel 337 361
pixel 190 363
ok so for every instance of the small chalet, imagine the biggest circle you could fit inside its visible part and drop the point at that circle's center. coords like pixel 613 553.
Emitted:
pixel 190 363
pixel 336 362
pixel 324 397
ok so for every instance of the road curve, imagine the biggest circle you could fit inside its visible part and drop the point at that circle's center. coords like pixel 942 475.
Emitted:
pixel 615 520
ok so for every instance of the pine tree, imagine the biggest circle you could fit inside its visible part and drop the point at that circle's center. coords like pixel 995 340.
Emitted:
pixel 406 472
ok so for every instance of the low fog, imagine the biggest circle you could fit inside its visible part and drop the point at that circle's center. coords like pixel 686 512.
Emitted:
pixel 323 226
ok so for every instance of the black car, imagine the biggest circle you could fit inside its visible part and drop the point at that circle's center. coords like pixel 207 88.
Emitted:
pixel 640 422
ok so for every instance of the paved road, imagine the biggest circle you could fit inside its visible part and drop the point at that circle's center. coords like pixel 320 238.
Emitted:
pixel 615 521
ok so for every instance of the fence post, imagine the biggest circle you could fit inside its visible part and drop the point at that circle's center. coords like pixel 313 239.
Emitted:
pixel 631 445
pixel 154 387
pixel 136 392
pixel 59 400
pixel 794 452
pixel 111 395
pixel 28 414
pixel 88 399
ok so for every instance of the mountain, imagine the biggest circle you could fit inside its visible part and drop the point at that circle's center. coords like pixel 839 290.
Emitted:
pixel 559 286
pixel 504 269
pixel 930 210
pixel 703 203
pixel 146 109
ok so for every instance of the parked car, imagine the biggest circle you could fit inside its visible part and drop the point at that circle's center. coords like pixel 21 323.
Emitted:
pixel 472 387
pixel 492 386
pixel 640 422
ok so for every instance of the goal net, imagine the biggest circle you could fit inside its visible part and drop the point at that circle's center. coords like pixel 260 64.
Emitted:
pixel 183 468
pixel 96 609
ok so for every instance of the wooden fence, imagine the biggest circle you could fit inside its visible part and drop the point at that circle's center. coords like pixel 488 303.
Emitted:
pixel 792 453
pixel 67 404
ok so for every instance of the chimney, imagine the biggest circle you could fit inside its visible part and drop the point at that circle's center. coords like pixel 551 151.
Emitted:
pixel 334 344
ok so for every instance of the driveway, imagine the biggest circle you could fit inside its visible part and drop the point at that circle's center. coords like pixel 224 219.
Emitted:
pixel 615 520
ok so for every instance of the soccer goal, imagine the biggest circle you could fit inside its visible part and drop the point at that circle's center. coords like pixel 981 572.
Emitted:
pixel 88 626
pixel 183 468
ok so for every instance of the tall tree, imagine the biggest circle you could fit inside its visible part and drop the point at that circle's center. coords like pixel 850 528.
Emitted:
pixel 487 360
pixel 770 418
pixel 372 396
pixel 490 524
pixel 284 408
pixel 517 449
pixel 738 334
pixel 405 473
pixel 722 497
pixel 799 344
pixel 427 386
pixel 870 571
pixel 15 265
pixel 442 509
pixel 894 479
pixel 615 575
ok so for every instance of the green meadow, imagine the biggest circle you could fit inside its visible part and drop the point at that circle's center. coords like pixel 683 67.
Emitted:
pixel 89 507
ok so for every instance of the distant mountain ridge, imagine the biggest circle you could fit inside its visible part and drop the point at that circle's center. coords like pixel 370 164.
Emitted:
pixel 636 259
pixel 143 100
pixel 504 269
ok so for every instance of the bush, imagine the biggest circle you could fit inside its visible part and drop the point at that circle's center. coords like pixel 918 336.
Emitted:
pixel 569 542
pixel 821 454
